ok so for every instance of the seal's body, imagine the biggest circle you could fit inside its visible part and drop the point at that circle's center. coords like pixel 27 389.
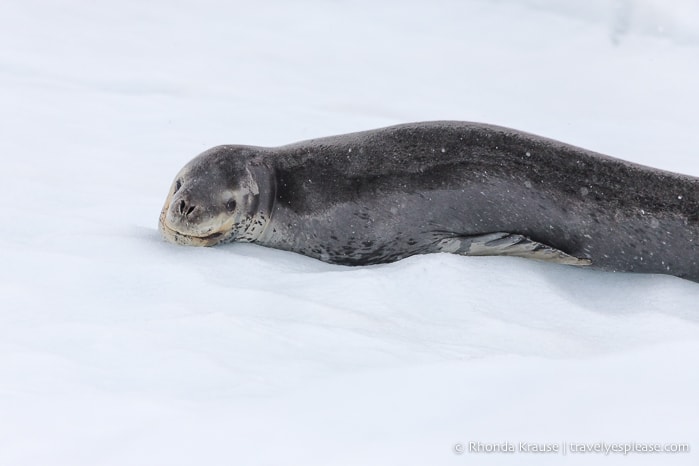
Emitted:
pixel 467 188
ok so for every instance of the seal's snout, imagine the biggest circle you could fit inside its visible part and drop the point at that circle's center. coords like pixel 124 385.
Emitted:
pixel 190 220
pixel 183 212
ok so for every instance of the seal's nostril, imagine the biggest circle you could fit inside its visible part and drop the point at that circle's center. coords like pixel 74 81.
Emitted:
pixel 184 209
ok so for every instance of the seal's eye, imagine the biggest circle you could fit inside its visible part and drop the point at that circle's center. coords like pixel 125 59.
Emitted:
pixel 178 185
pixel 230 205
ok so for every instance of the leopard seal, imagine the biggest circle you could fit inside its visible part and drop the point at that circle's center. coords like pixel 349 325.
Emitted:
pixel 466 188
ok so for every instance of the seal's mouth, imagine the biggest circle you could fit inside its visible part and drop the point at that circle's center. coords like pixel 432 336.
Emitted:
pixel 186 239
pixel 211 236
pixel 201 238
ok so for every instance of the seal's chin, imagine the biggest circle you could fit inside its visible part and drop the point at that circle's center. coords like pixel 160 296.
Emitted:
pixel 175 235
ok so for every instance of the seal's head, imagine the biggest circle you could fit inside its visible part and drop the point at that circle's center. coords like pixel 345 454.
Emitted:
pixel 214 199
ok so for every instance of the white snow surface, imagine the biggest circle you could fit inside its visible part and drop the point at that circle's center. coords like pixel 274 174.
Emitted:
pixel 117 348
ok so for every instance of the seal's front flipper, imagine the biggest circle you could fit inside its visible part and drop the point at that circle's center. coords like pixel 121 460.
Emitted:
pixel 507 244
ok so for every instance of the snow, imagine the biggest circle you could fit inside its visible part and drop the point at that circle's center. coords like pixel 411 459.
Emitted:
pixel 119 349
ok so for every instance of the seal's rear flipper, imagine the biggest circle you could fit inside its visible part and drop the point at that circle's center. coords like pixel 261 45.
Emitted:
pixel 507 244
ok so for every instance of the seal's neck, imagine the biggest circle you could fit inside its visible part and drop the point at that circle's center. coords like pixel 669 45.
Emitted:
pixel 265 179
